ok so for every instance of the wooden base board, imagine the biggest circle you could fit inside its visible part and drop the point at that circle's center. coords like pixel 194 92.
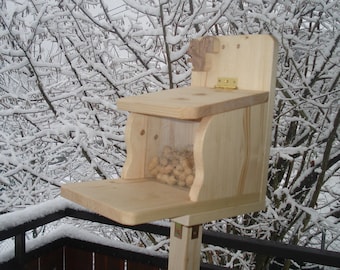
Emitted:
pixel 139 201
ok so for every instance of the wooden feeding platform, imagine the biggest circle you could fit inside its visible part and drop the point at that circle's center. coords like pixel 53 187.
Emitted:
pixel 198 153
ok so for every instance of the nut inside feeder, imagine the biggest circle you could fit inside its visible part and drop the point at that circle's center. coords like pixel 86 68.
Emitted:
pixel 174 166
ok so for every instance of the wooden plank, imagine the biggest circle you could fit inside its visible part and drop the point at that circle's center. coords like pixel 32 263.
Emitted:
pixel 78 259
pixel 105 262
pixel 249 58
pixel 191 102
pixel 139 201
pixel 31 265
pixel 131 265
pixel 129 201
pixel 52 260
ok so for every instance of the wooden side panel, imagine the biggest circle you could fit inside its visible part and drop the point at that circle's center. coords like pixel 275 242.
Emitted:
pixel 269 116
pixel 135 146
pixel 229 154
pixel 258 151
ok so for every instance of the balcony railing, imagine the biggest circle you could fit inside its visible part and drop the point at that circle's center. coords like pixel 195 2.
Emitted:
pixel 66 251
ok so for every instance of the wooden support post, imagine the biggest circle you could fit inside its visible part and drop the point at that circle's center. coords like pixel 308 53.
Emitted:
pixel 185 247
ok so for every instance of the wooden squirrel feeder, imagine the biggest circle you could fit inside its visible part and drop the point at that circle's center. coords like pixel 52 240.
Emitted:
pixel 198 153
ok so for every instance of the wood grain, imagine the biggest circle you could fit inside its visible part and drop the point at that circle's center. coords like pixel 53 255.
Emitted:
pixel 229 152
pixel 191 102
pixel 138 201
pixel 199 48
pixel 185 251
pixel 249 58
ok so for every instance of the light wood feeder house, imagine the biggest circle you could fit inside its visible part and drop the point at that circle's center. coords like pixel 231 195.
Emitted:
pixel 195 154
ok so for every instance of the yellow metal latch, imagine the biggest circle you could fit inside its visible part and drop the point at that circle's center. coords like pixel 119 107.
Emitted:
pixel 226 83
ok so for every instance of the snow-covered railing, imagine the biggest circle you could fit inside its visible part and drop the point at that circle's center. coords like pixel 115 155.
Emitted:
pixel 18 223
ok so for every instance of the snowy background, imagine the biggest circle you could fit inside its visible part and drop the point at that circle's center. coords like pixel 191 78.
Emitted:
pixel 63 64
